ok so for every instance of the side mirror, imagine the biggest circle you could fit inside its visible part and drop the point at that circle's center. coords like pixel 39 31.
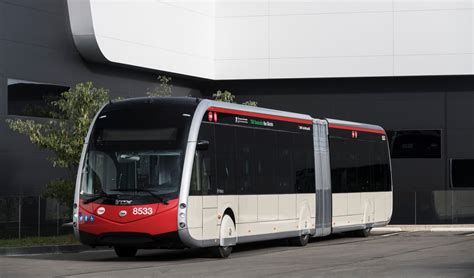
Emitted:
pixel 202 145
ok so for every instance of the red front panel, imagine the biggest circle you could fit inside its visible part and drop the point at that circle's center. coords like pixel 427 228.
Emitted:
pixel 153 219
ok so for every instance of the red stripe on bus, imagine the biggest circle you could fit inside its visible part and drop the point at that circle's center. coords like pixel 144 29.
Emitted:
pixel 356 129
pixel 260 115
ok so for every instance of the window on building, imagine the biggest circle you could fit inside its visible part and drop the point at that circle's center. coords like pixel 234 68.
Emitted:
pixel 415 143
pixel 27 98
pixel 462 173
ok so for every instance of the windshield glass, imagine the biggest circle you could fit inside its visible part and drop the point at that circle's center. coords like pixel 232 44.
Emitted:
pixel 133 172
pixel 136 150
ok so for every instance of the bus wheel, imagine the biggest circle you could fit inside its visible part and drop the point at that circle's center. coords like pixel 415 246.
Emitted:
pixel 363 233
pixel 221 251
pixel 227 238
pixel 301 240
pixel 125 252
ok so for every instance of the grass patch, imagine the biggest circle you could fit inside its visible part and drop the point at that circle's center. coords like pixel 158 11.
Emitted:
pixel 39 241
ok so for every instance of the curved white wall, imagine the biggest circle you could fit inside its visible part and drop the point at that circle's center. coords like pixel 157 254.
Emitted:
pixel 243 39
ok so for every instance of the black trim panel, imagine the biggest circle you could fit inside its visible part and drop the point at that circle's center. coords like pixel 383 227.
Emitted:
pixel 139 240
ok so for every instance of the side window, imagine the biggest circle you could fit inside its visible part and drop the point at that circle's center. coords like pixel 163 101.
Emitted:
pixel 303 160
pixel 344 160
pixel 359 165
pixel 244 161
pixel 265 161
pixel 365 181
pixel 100 174
pixel 284 168
pixel 338 167
pixel 381 167
pixel 225 157
pixel 352 160
pixel 195 187
pixel 203 176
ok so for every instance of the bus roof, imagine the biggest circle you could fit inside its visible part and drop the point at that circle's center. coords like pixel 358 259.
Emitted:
pixel 340 124
pixel 245 110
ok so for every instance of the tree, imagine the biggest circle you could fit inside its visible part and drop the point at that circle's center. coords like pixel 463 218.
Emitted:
pixel 250 103
pixel 226 96
pixel 64 133
pixel 162 90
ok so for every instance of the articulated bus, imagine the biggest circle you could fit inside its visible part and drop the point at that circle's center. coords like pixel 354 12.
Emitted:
pixel 189 173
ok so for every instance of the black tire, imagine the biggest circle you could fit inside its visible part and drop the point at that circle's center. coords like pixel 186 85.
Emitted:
pixel 221 252
pixel 301 240
pixel 363 233
pixel 125 252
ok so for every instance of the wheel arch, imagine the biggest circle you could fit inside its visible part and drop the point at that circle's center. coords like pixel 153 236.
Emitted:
pixel 229 212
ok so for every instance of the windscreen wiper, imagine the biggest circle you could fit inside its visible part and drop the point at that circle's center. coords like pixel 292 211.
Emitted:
pixel 98 197
pixel 160 199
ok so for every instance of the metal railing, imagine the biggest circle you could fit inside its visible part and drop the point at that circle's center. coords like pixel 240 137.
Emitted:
pixel 433 207
pixel 26 216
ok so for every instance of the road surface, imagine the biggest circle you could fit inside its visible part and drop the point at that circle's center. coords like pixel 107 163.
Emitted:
pixel 405 254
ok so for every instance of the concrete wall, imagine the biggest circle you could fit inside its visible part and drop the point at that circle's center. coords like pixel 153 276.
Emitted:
pixel 240 39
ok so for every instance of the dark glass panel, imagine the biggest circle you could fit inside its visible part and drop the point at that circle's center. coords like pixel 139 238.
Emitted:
pixel 137 148
pixel 415 143
pixel 462 173
pixel 359 165
pixel 351 162
pixel 244 161
pixel 265 162
pixel 338 165
pixel 26 98
pixel 225 156
pixel 382 177
pixel 364 152
pixel 203 176
pixel 303 160
pixel 284 168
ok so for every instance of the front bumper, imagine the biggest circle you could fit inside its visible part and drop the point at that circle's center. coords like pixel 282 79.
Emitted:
pixel 132 239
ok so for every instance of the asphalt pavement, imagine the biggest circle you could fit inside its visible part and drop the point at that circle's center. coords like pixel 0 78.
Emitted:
pixel 383 254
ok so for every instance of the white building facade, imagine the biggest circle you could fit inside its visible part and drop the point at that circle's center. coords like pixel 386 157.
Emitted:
pixel 268 39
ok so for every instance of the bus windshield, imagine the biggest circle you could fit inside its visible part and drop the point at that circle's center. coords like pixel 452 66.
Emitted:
pixel 136 149
pixel 132 172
